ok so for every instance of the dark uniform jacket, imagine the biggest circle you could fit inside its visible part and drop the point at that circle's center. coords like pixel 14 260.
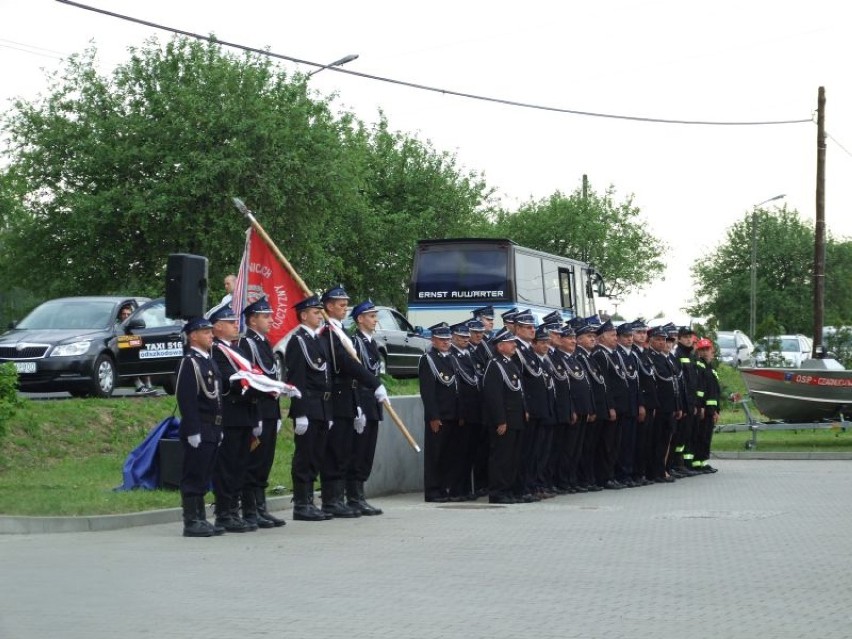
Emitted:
pixel 616 379
pixel 582 398
pixel 198 397
pixel 470 400
pixel 306 364
pixel 371 359
pixel 685 360
pixel 597 380
pixel 438 386
pixel 562 385
pixel 708 382
pixel 668 387
pixel 647 381
pixel 482 354
pixel 539 391
pixel 346 374
pixel 261 355
pixel 502 394
pixel 239 408
pixel 630 365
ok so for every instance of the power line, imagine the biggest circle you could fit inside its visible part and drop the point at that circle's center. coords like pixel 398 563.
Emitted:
pixel 837 142
pixel 23 50
pixel 423 87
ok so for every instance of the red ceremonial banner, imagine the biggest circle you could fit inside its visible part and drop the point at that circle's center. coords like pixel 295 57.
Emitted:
pixel 265 275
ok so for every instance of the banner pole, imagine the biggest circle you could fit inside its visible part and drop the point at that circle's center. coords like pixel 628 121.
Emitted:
pixel 343 340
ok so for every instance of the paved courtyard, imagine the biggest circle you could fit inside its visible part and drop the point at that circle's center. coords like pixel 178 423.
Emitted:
pixel 760 547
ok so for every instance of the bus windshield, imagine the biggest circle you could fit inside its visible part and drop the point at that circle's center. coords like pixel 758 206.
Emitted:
pixel 457 272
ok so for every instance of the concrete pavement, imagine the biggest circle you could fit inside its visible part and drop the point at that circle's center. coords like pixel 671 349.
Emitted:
pixel 760 547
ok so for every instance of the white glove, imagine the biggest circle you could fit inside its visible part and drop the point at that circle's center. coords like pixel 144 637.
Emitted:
pixel 330 424
pixel 194 440
pixel 257 430
pixel 360 421
pixel 278 427
pixel 381 394
pixel 301 425
pixel 292 391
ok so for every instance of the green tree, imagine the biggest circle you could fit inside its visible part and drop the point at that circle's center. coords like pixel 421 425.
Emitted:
pixel 595 229
pixel 784 275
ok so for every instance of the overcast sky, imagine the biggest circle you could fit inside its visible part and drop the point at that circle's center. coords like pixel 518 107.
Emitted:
pixel 721 61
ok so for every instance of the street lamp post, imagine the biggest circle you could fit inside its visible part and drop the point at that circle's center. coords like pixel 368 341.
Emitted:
pixel 337 63
pixel 753 305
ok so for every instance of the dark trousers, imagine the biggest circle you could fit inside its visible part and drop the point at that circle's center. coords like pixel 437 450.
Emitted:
pixel 438 458
pixel 587 454
pixel 664 425
pixel 607 449
pixel 229 472
pixel 308 453
pixel 198 466
pixel 681 438
pixel 527 466
pixel 704 436
pixel 503 461
pixel 574 449
pixel 627 452
pixel 557 465
pixel 644 432
pixel 338 449
pixel 542 452
pixel 261 458
pixel 480 453
pixel 460 453
pixel 363 452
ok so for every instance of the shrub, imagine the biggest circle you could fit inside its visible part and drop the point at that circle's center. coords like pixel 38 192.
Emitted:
pixel 8 395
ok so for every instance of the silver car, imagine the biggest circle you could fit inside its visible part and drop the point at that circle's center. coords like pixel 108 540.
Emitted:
pixel 735 348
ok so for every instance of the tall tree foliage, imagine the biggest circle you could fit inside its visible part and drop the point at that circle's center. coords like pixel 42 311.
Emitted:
pixel 784 274
pixel 595 229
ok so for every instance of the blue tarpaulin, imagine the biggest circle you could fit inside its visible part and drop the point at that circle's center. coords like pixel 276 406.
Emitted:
pixel 142 466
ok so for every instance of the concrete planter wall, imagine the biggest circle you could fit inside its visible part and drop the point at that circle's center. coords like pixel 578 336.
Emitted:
pixel 397 467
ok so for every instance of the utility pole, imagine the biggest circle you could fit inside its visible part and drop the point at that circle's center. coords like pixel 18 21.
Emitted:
pixel 819 227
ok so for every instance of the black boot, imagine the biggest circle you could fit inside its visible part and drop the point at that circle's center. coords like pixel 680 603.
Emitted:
pixel 192 526
pixel 249 507
pixel 201 510
pixel 265 519
pixel 356 499
pixel 332 501
pixel 226 517
pixel 235 513
pixel 303 504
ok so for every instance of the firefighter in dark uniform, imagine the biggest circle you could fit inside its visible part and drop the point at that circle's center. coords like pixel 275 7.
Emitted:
pixel 470 414
pixel 681 462
pixel 648 389
pixel 609 426
pixel 306 366
pixel 440 396
pixel 347 374
pixel 540 397
pixel 586 339
pixel 258 317
pixel 481 353
pixel 711 394
pixel 504 415
pixel 371 411
pixel 200 425
pixel 582 403
pixel 635 407
pixel 485 315
pixel 566 417
pixel 239 420
pixel 669 404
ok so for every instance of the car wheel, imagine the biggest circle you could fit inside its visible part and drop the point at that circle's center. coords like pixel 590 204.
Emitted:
pixel 104 376
pixel 170 384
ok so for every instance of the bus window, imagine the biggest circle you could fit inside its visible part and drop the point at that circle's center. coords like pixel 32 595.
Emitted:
pixel 566 288
pixel 552 284
pixel 529 282
pixel 462 273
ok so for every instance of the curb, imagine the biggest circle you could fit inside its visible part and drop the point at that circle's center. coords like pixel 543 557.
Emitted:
pixel 14 525
pixel 804 456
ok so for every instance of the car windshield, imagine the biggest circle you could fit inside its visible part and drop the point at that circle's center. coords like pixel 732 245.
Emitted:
pixel 782 344
pixel 70 314
pixel 725 341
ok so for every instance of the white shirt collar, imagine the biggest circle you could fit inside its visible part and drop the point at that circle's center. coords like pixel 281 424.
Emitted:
pixel 203 354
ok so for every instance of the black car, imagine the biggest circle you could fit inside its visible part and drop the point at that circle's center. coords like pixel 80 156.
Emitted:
pixel 400 344
pixel 80 345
